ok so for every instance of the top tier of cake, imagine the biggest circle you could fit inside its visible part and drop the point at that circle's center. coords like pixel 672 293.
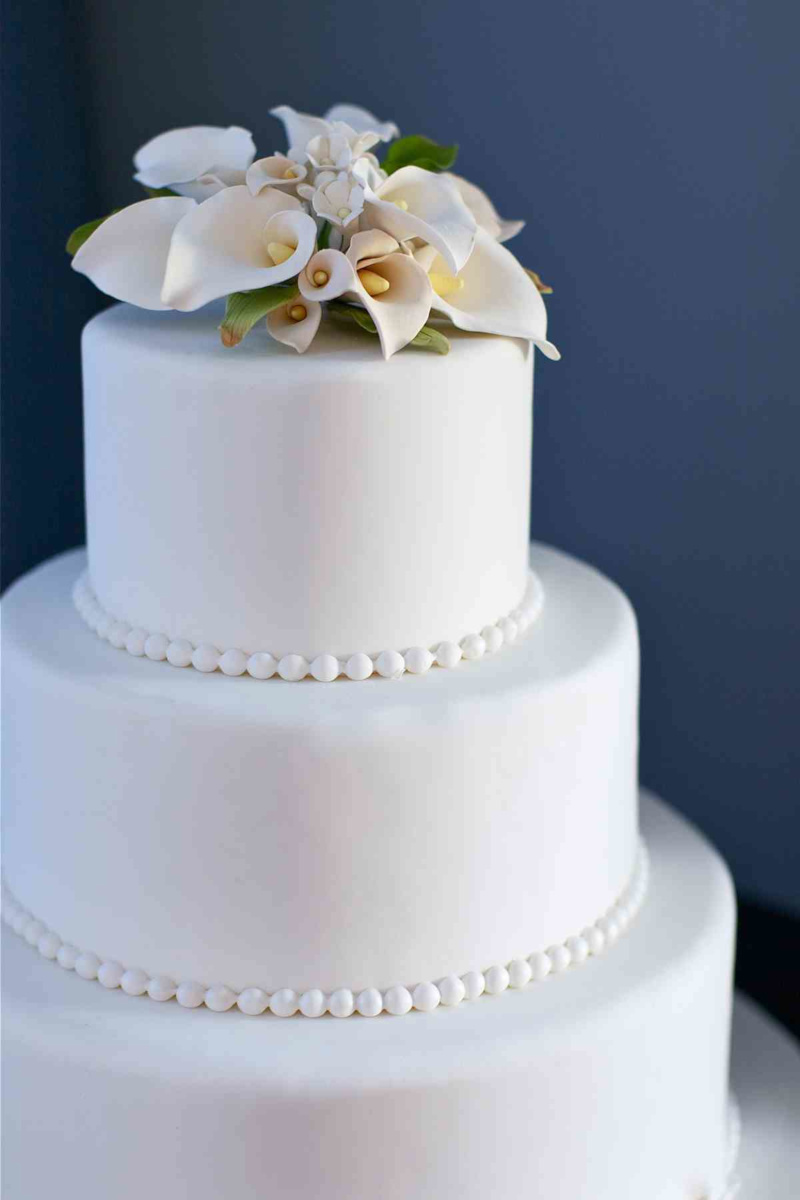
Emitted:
pixel 330 504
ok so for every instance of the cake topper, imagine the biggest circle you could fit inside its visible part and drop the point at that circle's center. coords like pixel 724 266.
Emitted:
pixel 398 246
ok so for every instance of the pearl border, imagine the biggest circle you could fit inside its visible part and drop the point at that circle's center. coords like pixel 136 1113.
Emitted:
pixel 390 664
pixel 368 1002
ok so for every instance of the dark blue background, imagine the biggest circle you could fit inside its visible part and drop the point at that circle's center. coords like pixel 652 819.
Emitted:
pixel 653 150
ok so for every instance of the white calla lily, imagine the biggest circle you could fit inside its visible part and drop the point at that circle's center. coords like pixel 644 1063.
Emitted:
pixel 295 324
pixel 491 294
pixel 484 211
pixel 197 161
pixel 126 256
pixel 327 275
pixel 368 171
pixel 236 242
pixel 276 171
pixel 300 129
pixel 340 201
pixel 392 287
pixel 413 203
pixel 362 121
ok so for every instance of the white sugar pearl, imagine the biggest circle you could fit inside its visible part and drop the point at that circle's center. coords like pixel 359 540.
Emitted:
pixel 220 998
pixel 508 628
pixel 33 931
pixel 261 665
pixel 418 660
pixel 359 666
pixel 522 619
pixel 313 1003
pixel 104 623
pixel 161 988
pixel 156 647
pixel 284 1002
pixel 519 973
pixel 578 949
pixel 253 1001
pixel 190 993
pixel 134 981
pixel 118 634
pixel 390 664
pixel 474 984
pixel 49 944
pixel 20 920
pixel 451 990
pixel 136 641
pixel 560 958
pixel 622 915
pixel 497 980
pixel 293 667
pixel 67 956
pixel 369 1002
pixel 609 927
pixel 110 974
pixel 397 1001
pixel 233 662
pixel 473 646
pixel 426 997
pixel 87 965
pixel 448 654
pixel 493 637
pixel 595 939
pixel 540 965
pixel 206 658
pixel 179 653
pixel 341 1003
pixel 325 668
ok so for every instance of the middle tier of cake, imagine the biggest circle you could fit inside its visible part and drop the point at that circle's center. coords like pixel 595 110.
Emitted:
pixel 293 836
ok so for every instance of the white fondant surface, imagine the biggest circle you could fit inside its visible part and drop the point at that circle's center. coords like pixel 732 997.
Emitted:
pixel 290 835
pixel 331 504
pixel 765 1075
pixel 609 1083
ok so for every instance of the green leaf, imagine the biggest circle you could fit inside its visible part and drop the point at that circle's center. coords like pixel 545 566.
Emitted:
pixel 418 151
pixel 324 236
pixel 243 309
pixel 154 193
pixel 429 338
pixel 84 232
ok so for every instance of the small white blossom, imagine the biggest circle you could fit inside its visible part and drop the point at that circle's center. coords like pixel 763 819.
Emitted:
pixel 340 200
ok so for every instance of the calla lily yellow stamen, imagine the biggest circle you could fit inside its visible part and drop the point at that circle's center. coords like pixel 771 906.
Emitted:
pixel 445 285
pixel 290 174
pixel 320 278
pixel 279 252
pixel 298 312
pixel 401 204
pixel 373 283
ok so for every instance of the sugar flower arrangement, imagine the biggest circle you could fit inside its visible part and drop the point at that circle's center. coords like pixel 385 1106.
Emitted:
pixel 390 245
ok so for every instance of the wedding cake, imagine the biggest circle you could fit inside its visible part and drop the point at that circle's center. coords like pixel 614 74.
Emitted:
pixel 309 732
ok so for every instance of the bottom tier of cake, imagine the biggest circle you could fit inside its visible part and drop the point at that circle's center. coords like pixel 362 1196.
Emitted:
pixel 601 1084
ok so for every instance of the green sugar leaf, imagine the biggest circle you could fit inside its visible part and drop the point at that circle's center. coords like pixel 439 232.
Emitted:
pixel 244 309
pixel 324 236
pixel 429 338
pixel 153 193
pixel 418 151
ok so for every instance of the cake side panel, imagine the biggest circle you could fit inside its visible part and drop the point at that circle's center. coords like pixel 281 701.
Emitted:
pixel 281 835
pixel 332 503
pixel 607 1082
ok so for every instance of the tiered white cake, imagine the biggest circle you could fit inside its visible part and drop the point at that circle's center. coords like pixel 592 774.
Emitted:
pixel 440 807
